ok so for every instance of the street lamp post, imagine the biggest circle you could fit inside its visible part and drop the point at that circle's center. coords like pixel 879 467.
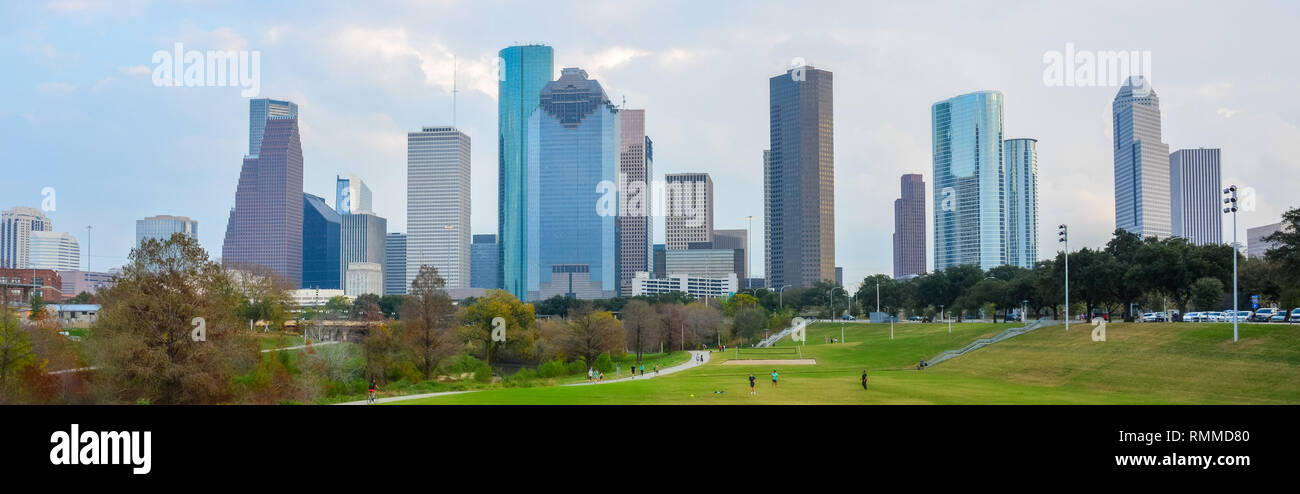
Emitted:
pixel 749 256
pixel 1064 233
pixel 1231 201
pixel 941 316
pixel 833 309
pixel 780 295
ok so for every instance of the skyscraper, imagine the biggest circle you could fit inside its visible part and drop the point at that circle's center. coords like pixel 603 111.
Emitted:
pixel 525 71
pixel 969 181
pixel 483 270
pixel 735 239
pixel 56 251
pixel 1021 159
pixel 16 227
pixel 574 136
pixel 321 243
pixel 636 167
pixel 688 209
pixel 363 239
pixel 800 178
pixel 265 226
pixel 1142 187
pixel 351 194
pixel 162 227
pixel 1256 246
pixel 1194 196
pixel 909 227
pixel 261 110
pixel 437 204
pixel 395 282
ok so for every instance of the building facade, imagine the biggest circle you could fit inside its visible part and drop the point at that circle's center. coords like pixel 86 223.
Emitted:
pixel 484 271
pixel 735 239
pixel 688 209
pixel 322 229
pixel 525 71
pixel 1195 207
pixel 395 281
pixel 909 226
pixel 16 227
pixel 969 181
pixel 363 238
pixel 635 167
pixel 21 284
pixel 351 194
pixel 707 262
pixel 76 282
pixel 1021 184
pixel 265 226
pixel 573 149
pixel 437 204
pixel 58 251
pixel 364 278
pixel 1256 246
pixel 695 286
pixel 800 178
pixel 1142 203
pixel 162 227
pixel 260 111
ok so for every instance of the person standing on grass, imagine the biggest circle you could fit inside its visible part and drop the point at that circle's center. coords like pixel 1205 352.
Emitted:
pixel 643 369
pixel 752 391
pixel 774 376
pixel 864 379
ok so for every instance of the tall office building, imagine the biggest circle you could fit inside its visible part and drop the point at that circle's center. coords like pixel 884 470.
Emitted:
pixel 162 227
pixel 437 204
pixel 265 226
pixel 395 282
pixel 1256 246
pixel 969 181
pixel 735 239
pixel 260 111
pixel 363 239
pixel 56 251
pixel 16 227
pixel 1195 208
pixel 688 209
pixel 321 245
pixel 636 167
pixel 1142 187
pixel 574 136
pixel 364 278
pixel 660 260
pixel 483 269
pixel 351 194
pixel 526 70
pixel 909 227
pixel 800 178
pixel 1021 160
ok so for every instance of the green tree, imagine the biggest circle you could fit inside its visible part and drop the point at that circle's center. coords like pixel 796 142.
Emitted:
pixel 590 333
pixel 520 326
pixel 15 346
pixel 430 320
pixel 391 305
pixel 748 323
pixel 1286 242
pixel 1207 293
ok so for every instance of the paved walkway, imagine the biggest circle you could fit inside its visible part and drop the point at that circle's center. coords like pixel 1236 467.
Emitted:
pixel 649 375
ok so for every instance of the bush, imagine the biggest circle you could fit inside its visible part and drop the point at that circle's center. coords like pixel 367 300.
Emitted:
pixel 522 379
pixel 604 363
pixel 578 366
pixel 552 368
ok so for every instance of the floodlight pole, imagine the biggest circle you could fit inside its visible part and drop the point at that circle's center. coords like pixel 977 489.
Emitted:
pixel 1064 232
pixel 1231 201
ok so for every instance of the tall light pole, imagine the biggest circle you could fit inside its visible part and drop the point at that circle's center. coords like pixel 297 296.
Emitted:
pixel 749 256
pixel 1231 201
pixel 780 295
pixel 1064 232
pixel 941 316
pixel 877 295
pixel 833 309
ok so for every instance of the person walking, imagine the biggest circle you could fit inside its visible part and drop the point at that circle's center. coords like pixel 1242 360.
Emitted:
pixel 752 391
pixel 864 379
pixel 774 377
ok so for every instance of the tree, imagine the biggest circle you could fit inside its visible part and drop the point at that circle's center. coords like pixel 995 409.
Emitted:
pixel 519 325
pixel 265 293
pixel 82 298
pixel 15 345
pixel 748 323
pixel 590 333
pixel 365 308
pixel 990 292
pixel 38 307
pixel 703 324
pixel 143 343
pixel 1286 242
pixel 672 323
pixel 391 305
pixel 640 321
pixel 559 305
pixel 337 307
pixel 1206 293
pixel 430 319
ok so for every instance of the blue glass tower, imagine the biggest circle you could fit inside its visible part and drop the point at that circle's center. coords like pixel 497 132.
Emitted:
pixel 969 181
pixel 525 70
pixel 1021 159
pixel 320 244
pixel 573 146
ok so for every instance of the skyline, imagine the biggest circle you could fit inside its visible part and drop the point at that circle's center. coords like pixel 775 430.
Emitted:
pixel 1238 108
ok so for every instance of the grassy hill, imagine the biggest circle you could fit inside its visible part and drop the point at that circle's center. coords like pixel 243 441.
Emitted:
pixel 1139 363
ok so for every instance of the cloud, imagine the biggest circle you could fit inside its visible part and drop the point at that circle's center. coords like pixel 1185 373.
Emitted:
pixel 55 87
pixel 135 71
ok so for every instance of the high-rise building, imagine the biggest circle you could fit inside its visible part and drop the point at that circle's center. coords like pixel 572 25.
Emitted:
pixel 839 276
pixel 162 227
pixel 688 209
pixel 703 261
pixel 1021 160
pixel 261 110
pixel 363 239
pixel 437 204
pixel 1195 210
pixel 636 167
pixel 572 244
pixel 525 71
pixel 351 194
pixel 1256 246
pixel 265 226
pixel 660 260
pixel 909 227
pixel 56 251
pixel 1142 187
pixel 321 244
pixel 364 278
pixel 969 181
pixel 800 178
pixel 395 282
pixel 483 268
pixel 75 282
pixel 735 239
pixel 16 227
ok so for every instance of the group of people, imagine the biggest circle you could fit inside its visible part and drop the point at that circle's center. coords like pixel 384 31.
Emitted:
pixel 752 380
pixel 594 375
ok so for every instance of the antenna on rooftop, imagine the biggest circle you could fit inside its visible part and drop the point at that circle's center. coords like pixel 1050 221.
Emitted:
pixel 454 90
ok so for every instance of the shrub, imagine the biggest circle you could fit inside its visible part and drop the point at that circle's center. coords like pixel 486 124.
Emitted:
pixel 552 368
pixel 604 363
pixel 578 366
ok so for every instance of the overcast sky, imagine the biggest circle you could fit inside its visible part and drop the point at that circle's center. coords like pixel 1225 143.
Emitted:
pixel 79 112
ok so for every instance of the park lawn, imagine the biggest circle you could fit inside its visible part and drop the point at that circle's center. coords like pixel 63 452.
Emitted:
pixel 268 341
pixel 1139 363
pixel 626 362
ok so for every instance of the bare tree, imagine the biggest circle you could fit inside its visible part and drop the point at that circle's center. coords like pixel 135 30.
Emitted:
pixel 591 333
pixel 640 322
pixel 703 324
pixel 430 321
pixel 672 329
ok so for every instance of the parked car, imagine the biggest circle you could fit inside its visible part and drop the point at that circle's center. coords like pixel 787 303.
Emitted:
pixel 914 318
pixel 1263 315
pixel 1242 315
pixel 1295 315
pixel 1192 317
pixel 1215 317
pixel 849 317
pixel 1153 317
pixel 1280 316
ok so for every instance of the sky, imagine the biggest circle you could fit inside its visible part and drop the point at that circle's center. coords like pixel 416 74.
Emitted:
pixel 80 113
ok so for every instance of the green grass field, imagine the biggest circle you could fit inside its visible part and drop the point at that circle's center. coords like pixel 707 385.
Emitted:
pixel 1139 363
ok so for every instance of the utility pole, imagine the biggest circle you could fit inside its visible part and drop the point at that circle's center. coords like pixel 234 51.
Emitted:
pixel 1231 201
pixel 1064 233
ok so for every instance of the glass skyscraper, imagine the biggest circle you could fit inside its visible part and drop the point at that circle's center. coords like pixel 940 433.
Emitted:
pixel 525 71
pixel 636 169
pixel 162 227
pixel 483 270
pixel 1021 157
pixel 573 146
pixel 351 194
pixel 321 227
pixel 1142 185
pixel 969 180
pixel 395 282
pixel 265 226
pixel 799 178
pixel 909 227
pixel 259 111
pixel 16 227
